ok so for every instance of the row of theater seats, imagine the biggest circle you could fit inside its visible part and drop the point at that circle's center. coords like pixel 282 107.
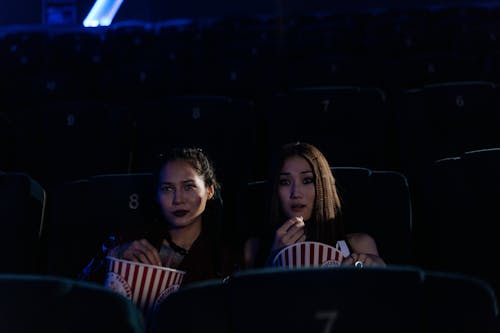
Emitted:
pixel 394 299
pixel 80 215
pixel 246 79
pixel 457 232
pixel 400 49
pixel 389 34
pixel 353 125
pixel 453 229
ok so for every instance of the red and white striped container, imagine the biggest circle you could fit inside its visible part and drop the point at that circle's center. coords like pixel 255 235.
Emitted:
pixel 308 254
pixel 145 285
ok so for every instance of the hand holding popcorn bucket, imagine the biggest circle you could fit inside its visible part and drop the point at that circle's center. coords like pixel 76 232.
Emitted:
pixel 308 254
pixel 145 285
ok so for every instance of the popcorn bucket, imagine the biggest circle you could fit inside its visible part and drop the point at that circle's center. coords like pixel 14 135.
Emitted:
pixel 307 254
pixel 145 285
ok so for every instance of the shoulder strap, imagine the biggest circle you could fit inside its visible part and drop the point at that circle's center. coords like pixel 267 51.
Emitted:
pixel 344 249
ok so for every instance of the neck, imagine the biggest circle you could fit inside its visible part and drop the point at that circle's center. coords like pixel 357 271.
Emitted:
pixel 185 236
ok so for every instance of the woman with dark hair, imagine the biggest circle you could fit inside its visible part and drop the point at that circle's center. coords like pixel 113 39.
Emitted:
pixel 185 232
pixel 305 206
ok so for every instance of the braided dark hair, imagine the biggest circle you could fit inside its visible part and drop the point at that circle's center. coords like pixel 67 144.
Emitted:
pixel 200 161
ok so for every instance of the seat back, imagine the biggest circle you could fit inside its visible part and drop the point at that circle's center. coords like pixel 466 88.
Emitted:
pixel 445 120
pixel 378 202
pixel 350 124
pixel 208 309
pixel 458 303
pixel 221 126
pixel 458 232
pixel 58 141
pixel 333 299
pixel 104 205
pixel 325 300
pixel 22 215
pixel 40 303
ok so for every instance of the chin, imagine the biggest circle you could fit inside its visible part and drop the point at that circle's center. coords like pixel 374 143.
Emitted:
pixel 178 223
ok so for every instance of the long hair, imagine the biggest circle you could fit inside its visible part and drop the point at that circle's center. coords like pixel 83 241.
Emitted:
pixel 325 224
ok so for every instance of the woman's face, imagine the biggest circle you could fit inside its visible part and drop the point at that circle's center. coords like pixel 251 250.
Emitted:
pixel 296 188
pixel 182 194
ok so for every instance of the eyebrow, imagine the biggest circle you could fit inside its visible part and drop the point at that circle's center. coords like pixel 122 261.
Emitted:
pixel 288 173
pixel 186 181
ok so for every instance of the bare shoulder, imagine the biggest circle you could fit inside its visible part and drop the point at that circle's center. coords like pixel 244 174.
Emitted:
pixel 362 243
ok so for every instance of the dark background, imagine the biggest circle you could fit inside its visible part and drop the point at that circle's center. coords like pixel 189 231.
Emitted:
pixel 31 11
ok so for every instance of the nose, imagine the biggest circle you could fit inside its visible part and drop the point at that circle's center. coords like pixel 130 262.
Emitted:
pixel 294 191
pixel 177 197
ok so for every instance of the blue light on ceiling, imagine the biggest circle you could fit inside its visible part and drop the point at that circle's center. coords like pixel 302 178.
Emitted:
pixel 102 13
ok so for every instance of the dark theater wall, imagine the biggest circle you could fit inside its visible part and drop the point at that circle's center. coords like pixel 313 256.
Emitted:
pixel 31 11
pixel 214 8
pixel 20 12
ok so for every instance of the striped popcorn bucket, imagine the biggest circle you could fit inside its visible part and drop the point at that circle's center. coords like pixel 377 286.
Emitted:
pixel 145 285
pixel 307 254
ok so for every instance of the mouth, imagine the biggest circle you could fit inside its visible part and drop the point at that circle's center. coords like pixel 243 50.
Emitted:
pixel 180 213
pixel 298 207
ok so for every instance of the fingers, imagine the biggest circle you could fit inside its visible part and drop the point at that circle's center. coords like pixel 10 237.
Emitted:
pixel 151 253
pixel 366 259
pixel 348 261
pixel 292 238
pixel 295 231
pixel 301 239
pixel 351 259
pixel 141 251
pixel 292 231
pixel 293 222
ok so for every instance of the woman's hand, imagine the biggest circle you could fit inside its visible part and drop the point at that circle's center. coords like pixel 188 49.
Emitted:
pixel 292 231
pixel 138 251
pixel 366 259
pixel 364 251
